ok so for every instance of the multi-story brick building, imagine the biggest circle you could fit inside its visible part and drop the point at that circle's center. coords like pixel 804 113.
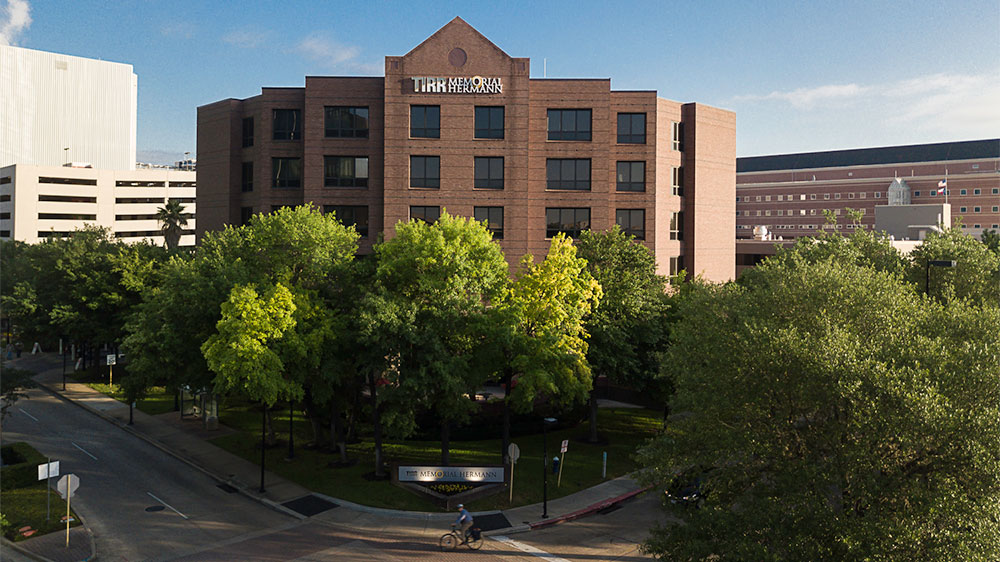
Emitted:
pixel 458 124
pixel 788 193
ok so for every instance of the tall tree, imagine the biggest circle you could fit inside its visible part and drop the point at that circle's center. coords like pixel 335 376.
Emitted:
pixel 438 282
pixel 172 222
pixel 833 413
pixel 627 334
pixel 976 274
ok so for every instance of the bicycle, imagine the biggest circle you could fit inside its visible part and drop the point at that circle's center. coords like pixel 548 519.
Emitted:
pixel 450 540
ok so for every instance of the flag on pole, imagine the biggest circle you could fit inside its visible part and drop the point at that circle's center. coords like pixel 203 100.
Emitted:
pixel 942 186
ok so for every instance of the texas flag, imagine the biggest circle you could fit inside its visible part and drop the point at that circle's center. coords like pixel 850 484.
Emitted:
pixel 942 186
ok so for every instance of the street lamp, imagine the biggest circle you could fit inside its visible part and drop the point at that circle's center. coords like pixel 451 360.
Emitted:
pixel 927 273
pixel 545 466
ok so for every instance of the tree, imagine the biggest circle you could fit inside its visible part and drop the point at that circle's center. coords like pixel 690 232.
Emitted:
pixel 12 386
pixel 627 335
pixel 992 240
pixel 833 413
pixel 435 285
pixel 539 332
pixel 172 222
pixel 976 274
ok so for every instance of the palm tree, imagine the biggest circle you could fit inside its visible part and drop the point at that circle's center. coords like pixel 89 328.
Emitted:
pixel 172 217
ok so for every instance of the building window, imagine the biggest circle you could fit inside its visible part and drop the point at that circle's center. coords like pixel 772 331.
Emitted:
pixel 345 122
pixel 676 265
pixel 996 209
pixel 977 191
pixel 569 124
pixel 677 181
pixel 488 172
pixel 426 214
pixel 345 171
pixel 632 222
pixel 425 171
pixel 737 198
pixel 425 121
pixel 489 122
pixel 632 128
pixel 812 196
pixel 963 209
pixel 286 172
pixel 67 217
pixel 862 195
pixel 781 198
pixel 246 177
pixel 631 176
pixel 677 225
pixel 837 196
pixel 916 194
pixel 247 131
pixel 678 143
pixel 67 199
pixel 287 124
pixel 348 215
pixel 878 195
pixel 849 195
pixel 70 181
pixel 826 196
pixel 767 213
pixel 780 212
pixel 977 209
pixel 996 191
pixel 245 214
pixel 963 192
pixel 568 173
pixel 493 217
pixel 130 183
pixel 569 220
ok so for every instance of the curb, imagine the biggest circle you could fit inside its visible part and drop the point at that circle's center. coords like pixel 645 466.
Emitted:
pixel 587 510
pixel 7 543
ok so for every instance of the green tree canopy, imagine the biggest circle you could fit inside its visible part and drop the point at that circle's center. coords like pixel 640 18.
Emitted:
pixel 976 274
pixel 832 413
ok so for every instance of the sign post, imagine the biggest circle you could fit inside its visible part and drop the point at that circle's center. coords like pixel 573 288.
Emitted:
pixel 67 485
pixel 45 472
pixel 111 362
pixel 562 460
pixel 514 452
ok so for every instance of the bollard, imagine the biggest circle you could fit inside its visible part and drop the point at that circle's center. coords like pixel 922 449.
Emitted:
pixel 604 466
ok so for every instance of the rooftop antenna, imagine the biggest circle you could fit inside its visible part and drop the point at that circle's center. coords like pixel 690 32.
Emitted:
pixel 545 68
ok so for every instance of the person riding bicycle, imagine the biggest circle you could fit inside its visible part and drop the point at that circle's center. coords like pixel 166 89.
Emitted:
pixel 465 520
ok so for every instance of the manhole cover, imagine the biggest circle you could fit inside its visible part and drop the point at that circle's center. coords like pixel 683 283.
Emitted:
pixel 153 508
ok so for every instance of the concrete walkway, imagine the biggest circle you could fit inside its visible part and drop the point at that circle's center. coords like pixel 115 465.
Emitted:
pixel 186 440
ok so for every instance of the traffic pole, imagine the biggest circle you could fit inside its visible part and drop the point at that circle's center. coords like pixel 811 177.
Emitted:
pixel 69 495
pixel 562 462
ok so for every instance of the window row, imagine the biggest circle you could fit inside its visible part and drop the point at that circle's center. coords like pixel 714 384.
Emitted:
pixel 573 174
pixel 425 122
pixel 792 212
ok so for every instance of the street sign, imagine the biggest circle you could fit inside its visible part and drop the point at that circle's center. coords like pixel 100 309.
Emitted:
pixel 111 359
pixel 48 470
pixel 70 481
pixel 514 452
pixel 565 445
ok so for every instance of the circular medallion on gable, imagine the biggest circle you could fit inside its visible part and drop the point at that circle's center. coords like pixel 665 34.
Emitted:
pixel 457 57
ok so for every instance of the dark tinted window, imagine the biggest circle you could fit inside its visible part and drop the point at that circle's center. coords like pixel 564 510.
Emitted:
pixel 286 172
pixel 425 171
pixel 489 172
pixel 632 128
pixel 246 177
pixel 345 171
pixel 426 214
pixel 346 122
pixel 571 221
pixel 245 214
pixel 489 122
pixel 568 173
pixel 287 124
pixel 677 226
pixel 631 176
pixel 493 217
pixel 248 131
pixel 351 214
pixel 632 222
pixel 569 124
pixel 425 121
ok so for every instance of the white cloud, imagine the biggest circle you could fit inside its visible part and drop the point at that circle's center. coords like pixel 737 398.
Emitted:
pixel 15 18
pixel 327 51
pixel 246 38
pixel 964 103
pixel 809 97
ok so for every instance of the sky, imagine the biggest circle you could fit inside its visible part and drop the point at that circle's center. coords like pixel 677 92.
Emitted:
pixel 801 76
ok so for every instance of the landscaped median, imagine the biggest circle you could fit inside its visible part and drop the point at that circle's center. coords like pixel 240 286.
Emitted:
pixel 623 429
pixel 22 496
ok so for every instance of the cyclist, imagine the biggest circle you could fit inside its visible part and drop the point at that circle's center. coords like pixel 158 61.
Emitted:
pixel 465 520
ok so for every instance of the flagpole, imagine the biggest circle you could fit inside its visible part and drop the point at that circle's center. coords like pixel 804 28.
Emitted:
pixel 946 190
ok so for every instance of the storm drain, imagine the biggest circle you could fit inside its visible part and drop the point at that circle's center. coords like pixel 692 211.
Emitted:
pixel 309 505
pixel 226 488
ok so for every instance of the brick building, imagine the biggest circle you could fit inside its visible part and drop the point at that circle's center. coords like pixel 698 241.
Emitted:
pixel 788 193
pixel 458 124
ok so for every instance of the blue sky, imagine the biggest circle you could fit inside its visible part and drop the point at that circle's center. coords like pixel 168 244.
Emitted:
pixel 801 76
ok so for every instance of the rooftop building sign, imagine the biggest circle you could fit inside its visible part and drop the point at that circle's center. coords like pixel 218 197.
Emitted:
pixel 473 85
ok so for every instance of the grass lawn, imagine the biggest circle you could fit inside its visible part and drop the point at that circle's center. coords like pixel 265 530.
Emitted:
pixel 23 495
pixel 157 400
pixel 625 429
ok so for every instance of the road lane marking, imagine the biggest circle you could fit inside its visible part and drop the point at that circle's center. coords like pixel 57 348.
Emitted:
pixel 84 451
pixel 170 507
pixel 29 415
pixel 528 548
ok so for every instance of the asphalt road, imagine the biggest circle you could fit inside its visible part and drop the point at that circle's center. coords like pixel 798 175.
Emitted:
pixel 141 503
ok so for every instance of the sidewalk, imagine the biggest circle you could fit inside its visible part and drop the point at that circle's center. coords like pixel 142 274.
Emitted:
pixel 186 441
